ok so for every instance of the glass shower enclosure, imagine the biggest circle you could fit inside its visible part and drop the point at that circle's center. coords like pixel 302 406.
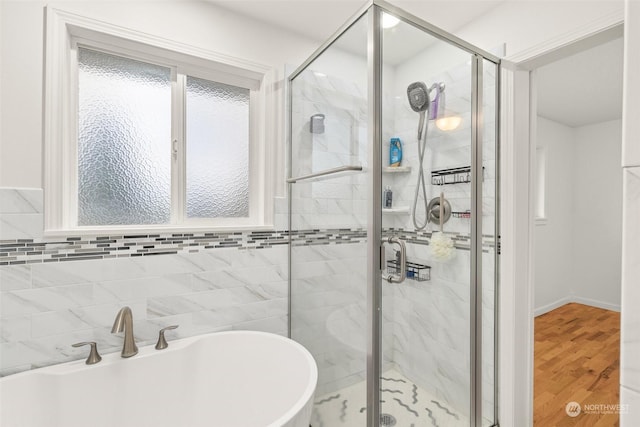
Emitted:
pixel 393 223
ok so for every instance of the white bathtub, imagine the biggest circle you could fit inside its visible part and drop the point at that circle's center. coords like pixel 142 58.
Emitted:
pixel 225 379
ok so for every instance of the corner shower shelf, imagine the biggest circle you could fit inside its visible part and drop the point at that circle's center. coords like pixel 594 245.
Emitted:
pixel 398 169
pixel 398 210
pixel 449 176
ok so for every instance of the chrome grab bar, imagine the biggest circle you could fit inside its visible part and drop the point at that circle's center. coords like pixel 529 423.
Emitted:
pixel 325 172
pixel 403 261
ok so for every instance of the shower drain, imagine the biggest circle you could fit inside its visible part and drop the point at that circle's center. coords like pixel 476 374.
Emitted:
pixel 387 420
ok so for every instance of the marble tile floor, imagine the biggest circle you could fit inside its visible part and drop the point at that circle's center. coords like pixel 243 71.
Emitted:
pixel 409 404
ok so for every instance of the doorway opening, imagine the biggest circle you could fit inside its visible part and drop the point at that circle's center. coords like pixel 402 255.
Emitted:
pixel 578 235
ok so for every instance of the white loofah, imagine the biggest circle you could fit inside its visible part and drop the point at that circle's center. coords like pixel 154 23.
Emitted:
pixel 441 247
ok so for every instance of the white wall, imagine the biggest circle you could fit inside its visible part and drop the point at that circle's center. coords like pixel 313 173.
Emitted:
pixel 525 24
pixel 597 214
pixel 578 249
pixel 195 23
pixel 553 240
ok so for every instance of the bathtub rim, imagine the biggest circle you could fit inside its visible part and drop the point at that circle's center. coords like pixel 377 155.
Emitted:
pixel 178 345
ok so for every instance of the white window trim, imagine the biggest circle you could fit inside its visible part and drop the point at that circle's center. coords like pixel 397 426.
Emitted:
pixel 64 32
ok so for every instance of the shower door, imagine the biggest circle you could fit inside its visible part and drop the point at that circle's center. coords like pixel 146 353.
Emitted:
pixel 431 332
pixel 437 289
pixel 395 302
pixel 437 322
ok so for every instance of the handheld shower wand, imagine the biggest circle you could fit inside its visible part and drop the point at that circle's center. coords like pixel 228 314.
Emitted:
pixel 420 102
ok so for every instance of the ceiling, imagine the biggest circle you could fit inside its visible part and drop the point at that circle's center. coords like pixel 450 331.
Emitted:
pixel 319 19
pixel 584 88
pixel 580 89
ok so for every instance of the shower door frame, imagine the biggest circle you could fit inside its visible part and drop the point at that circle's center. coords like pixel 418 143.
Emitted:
pixel 373 11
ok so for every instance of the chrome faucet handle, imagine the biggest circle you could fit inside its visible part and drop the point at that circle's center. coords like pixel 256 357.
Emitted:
pixel 94 357
pixel 162 342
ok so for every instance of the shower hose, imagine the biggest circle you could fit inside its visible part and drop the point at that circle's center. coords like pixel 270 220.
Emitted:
pixel 422 144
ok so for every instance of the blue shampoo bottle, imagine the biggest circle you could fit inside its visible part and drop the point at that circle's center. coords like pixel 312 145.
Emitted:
pixel 395 152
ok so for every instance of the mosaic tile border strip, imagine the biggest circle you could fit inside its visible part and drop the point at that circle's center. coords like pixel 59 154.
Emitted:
pixel 31 251
pixel 75 248
pixel 326 237
pixel 460 241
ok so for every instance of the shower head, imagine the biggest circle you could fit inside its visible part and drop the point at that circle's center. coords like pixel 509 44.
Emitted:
pixel 419 101
pixel 418 95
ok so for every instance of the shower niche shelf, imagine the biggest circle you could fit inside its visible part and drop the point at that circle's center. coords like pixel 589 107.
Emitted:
pixel 397 169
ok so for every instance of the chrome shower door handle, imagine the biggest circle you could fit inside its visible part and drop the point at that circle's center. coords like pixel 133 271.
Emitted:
pixel 403 261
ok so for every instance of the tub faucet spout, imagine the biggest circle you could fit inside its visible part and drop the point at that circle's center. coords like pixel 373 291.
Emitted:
pixel 124 322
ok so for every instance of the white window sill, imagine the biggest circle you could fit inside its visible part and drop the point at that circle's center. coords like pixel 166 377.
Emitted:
pixel 128 231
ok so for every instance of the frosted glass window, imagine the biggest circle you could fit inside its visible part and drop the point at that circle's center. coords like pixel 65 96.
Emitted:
pixel 217 153
pixel 124 141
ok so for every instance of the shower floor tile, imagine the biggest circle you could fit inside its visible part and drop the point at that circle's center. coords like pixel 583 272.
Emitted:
pixel 409 404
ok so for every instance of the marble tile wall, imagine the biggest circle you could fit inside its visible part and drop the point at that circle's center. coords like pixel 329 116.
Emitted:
pixel 328 296
pixel 445 149
pixel 21 213
pixel 46 304
pixel 328 303
pixel 630 338
pixel 340 201
pixel 47 307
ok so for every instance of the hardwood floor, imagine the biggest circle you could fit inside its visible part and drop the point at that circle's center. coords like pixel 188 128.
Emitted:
pixel 577 359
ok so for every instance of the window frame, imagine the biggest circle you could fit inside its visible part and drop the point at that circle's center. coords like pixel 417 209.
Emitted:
pixel 65 33
pixel 540 186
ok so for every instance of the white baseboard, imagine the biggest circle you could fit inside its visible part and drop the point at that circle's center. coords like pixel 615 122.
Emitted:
pixel 580 300
pixel 596 303
pixel 547 308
